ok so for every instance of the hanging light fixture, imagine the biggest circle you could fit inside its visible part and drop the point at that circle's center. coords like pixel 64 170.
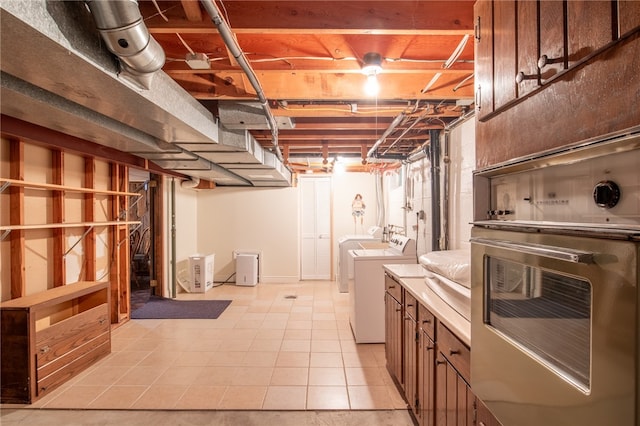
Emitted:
pixel 372 67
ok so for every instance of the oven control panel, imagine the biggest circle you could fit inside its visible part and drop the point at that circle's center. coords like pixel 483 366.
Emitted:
pixel 601 190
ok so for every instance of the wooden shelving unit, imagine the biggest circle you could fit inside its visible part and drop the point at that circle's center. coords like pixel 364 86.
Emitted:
pixel 49 337
pixel 19 225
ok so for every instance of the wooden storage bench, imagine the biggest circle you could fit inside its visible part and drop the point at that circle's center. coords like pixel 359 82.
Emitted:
pixel 49 337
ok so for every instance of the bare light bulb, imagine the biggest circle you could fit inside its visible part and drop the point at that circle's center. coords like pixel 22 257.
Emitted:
pixel 371 86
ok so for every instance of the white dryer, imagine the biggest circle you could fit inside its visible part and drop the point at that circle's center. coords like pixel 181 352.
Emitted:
pixel 351 242
pixel 366 288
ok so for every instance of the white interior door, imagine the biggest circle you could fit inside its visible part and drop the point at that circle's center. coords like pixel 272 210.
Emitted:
pixel 315 228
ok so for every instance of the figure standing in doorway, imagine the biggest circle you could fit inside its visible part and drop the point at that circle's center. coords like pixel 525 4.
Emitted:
pixel 357 211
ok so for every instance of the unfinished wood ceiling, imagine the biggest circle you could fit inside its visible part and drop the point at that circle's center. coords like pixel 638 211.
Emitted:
pixel 308 58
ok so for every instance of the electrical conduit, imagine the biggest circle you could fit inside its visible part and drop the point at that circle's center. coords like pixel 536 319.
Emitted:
pixel 238 54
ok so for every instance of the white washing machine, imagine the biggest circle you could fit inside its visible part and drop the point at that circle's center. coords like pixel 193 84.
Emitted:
pixel 351 242
pixel 366 289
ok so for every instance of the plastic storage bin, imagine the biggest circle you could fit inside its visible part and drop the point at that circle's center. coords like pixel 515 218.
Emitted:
pixel 201 272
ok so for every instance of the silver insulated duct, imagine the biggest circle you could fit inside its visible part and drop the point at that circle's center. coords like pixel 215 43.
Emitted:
pixel 126 36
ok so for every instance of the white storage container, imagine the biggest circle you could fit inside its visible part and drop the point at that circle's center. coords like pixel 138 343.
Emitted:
pixel 201 271
pixel 247 269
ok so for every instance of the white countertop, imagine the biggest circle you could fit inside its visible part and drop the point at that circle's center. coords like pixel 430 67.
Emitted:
pixel 405 270
pixel 415 284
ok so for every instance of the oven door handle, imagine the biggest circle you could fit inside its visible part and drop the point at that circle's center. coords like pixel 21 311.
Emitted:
pixel 568 255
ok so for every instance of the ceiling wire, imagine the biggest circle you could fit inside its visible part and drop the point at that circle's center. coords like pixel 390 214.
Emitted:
pixel 457 52
pixel 464 80
pixel 185 44
pixel 360 110
pixel 160 12
pixel 405 131
pixel 224 9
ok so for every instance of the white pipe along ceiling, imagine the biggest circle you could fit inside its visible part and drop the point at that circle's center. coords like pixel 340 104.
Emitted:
pixel 60 75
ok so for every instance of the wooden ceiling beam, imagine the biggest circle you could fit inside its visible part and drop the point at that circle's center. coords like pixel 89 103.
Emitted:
pixel 360 17
pixel 192 10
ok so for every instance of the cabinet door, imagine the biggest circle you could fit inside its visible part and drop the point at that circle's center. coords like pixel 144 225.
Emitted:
pixel 527 41
pixel 484 416
pixel 426 379
pixel 454 399
pixel 504 50
pixel 410 363
pixel 484 57
pixel 393 337
pixel 552 29
pixel 628 15
pixel 589 27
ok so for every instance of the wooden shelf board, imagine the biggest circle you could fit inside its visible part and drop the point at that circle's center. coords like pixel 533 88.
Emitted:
pixel 54 187
pixel 55 295
pixel 67 225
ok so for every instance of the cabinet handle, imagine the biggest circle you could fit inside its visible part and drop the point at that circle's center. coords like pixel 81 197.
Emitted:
pixel 427 321
pixel 103 320
pixel 409 305
pixel 392 286
pixel 438 362
pixel 476 29
pixel 478 99
pixel 45 349
pixel 520 77
pixel 544 60
pixel 398 310
pixel 454 352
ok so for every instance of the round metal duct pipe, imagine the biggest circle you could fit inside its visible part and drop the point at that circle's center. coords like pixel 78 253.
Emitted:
pixel 126 36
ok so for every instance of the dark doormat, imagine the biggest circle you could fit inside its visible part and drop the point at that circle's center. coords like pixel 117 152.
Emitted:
pixel 162 308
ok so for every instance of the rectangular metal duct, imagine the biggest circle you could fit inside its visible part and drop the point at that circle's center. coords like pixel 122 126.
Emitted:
pixel 248 115
pixel 29 103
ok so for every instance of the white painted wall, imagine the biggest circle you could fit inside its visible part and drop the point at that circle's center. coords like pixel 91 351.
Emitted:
pixel 418 184
pixel 462 149
pixel 262 219
pixel 186 221
pixel 462 162
pixel 345 188
pixel 394 189
pixel 267 220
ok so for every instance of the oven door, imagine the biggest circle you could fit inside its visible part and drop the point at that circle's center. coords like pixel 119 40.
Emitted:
pixel 554 327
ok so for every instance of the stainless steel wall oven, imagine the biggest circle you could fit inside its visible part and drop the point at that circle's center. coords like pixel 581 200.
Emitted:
pixel 555 263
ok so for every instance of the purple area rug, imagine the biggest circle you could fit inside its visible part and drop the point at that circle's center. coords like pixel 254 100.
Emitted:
pixel 162 308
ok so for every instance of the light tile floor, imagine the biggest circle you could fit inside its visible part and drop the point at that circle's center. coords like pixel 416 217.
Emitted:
pixel 276 347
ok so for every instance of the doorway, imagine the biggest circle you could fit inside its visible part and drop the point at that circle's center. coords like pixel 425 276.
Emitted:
pixel 315 225
pixel 141 238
